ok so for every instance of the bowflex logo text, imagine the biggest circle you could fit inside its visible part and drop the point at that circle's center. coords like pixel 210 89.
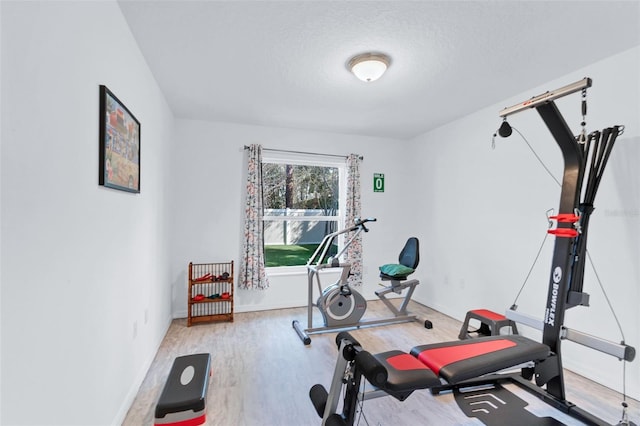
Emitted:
pixel 550 314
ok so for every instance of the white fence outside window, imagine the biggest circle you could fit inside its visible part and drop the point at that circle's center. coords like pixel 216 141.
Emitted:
pixel 296 226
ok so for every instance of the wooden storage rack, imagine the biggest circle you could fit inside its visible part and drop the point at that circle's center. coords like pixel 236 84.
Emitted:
pixel 210 292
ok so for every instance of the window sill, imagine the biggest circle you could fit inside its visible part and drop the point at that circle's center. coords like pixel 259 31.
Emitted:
pixel 282 271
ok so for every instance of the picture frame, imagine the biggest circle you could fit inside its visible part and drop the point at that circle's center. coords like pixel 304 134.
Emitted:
pixel 119 144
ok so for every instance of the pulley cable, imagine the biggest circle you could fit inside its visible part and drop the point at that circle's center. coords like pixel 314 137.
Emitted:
pixel 361 415
pixel 538 157
pixel 535 261
pixel 606 297
pixel 493 146
pixel 624 417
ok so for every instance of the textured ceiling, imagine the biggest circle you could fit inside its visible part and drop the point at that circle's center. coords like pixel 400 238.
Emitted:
pixel 282 63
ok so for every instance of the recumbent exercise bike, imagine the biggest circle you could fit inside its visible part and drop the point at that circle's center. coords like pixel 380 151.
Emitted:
pixel 341 306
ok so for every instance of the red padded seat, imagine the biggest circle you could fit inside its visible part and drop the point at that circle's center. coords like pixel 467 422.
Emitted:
pixel 405 374
pixel 467 359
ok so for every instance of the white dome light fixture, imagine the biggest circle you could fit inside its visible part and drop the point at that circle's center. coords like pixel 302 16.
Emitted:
pixel 369 67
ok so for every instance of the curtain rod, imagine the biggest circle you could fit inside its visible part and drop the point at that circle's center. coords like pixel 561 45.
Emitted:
pixel 304 152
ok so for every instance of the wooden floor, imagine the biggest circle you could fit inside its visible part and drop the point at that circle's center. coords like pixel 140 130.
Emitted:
pixel 262 373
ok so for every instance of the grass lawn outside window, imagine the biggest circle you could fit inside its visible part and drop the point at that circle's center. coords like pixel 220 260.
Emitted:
pixel 290 255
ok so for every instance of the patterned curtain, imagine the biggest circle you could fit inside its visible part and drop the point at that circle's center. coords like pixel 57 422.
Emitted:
pixel 252 271
pixel 352 211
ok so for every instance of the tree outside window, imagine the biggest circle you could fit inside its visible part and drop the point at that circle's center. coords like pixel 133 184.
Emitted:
pixel 302 205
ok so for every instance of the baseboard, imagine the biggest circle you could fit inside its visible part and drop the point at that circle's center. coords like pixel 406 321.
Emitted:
pixel 142 373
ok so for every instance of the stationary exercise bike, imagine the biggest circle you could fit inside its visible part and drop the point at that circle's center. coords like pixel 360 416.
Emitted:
pixel 341 306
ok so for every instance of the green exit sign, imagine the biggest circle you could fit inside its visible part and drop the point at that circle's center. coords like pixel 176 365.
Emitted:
pixel 378 182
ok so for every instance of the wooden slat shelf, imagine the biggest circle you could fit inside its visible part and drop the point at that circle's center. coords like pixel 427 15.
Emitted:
pixel 208 279
pixel 207 300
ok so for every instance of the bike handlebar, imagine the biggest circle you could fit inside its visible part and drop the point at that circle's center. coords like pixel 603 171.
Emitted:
pixel 320 254
pixel 359 223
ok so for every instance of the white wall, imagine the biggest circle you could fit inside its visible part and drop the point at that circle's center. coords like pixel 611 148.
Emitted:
pixel 81 264
pixel 209 186
pixel 484 219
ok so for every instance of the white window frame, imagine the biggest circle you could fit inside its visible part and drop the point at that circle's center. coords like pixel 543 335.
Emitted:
pixel 301 159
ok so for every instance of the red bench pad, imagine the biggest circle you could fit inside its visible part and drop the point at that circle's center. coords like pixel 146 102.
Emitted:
pixel 405 372
pixel 466 359
pixel 485 313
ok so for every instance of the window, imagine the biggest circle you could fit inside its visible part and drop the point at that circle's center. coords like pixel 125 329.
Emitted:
pixel 302 203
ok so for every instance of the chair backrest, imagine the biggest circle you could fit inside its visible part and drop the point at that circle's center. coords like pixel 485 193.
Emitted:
pixel 410 254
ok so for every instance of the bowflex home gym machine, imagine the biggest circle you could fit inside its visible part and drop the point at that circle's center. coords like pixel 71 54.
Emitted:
pixel 585 158
pixel 467 363
pixel 341 306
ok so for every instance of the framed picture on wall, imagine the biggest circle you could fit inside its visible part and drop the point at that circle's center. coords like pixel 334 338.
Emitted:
pixel 119 144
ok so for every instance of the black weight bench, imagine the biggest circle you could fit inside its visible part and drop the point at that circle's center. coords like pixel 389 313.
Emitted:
pixel 453 362
pixel 458 361
pixel 432 366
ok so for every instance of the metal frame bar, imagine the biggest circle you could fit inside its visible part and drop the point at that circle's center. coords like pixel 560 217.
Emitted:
pixel 618 350
pixel 397 287
pixel 362 324
pixel 333 397
pixel 547 97
pixel 288 151
pixel 525 319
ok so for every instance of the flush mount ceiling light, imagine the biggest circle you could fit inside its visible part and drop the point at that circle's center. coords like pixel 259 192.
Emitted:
pixel 369 66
